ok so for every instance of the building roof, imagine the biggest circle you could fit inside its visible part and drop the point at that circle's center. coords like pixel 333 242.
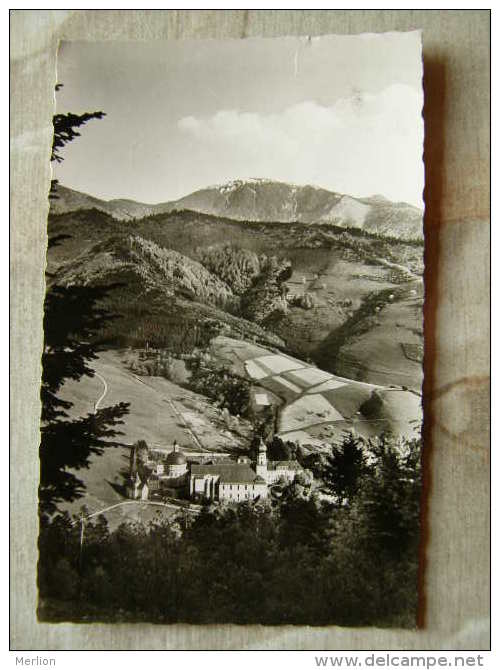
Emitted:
pixel 229 473
pixel 176 458
pixel 288 465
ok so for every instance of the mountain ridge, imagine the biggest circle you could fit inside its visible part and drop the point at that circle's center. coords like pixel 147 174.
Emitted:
pixel 266 201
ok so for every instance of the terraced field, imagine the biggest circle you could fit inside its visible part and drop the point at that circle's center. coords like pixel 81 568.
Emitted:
pixel 317 406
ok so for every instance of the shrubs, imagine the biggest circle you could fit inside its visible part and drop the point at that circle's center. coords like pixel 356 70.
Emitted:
pixel 158 363
pixel 304 301
pixel 372 407
pixel 229 391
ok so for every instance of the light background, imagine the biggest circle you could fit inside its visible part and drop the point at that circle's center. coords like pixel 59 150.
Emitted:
pixel 340 112
pixel 456 81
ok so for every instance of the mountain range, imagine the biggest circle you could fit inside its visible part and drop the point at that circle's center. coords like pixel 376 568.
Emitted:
pixel 267 201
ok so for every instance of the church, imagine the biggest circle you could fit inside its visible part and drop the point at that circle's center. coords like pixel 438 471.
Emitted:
pixel 166 476
pixel 239 481
pixel 226 481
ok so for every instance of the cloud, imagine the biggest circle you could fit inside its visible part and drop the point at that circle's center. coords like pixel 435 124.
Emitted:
pixel 362 145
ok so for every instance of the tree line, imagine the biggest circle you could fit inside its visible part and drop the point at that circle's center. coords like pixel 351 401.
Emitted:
pixel 342 553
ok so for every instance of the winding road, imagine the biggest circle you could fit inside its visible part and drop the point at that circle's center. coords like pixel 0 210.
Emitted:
pixel 191 509
pixel 105 390
pixel 187 429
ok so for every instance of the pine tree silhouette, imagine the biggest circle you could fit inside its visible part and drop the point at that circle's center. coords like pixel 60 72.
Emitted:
pixel 74 316
pixel 65 126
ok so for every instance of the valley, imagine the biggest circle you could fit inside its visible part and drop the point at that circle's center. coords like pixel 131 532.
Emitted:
pixel 314 409
pixel 346 278
pixel 321 320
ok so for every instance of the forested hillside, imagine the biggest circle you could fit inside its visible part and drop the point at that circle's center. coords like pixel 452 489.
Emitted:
pixel 314 290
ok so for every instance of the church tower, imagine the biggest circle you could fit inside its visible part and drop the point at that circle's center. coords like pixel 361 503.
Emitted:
pixel 261 466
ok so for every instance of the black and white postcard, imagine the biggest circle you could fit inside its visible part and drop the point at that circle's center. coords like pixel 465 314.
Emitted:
pixel 232 367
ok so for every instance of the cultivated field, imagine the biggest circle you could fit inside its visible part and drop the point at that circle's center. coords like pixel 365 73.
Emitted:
pixel 317 406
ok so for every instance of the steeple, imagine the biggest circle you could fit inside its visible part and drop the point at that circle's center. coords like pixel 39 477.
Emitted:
pixel 261 466
pixel 262 457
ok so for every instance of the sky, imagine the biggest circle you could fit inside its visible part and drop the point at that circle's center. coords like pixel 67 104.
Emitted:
pixel 340 112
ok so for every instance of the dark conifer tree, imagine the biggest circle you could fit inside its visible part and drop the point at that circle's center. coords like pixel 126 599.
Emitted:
pixel 390 499
pixel 73 318
pixel 65 131
pixel 345 468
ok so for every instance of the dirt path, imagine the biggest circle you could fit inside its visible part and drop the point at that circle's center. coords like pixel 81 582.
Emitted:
pixel 103 394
